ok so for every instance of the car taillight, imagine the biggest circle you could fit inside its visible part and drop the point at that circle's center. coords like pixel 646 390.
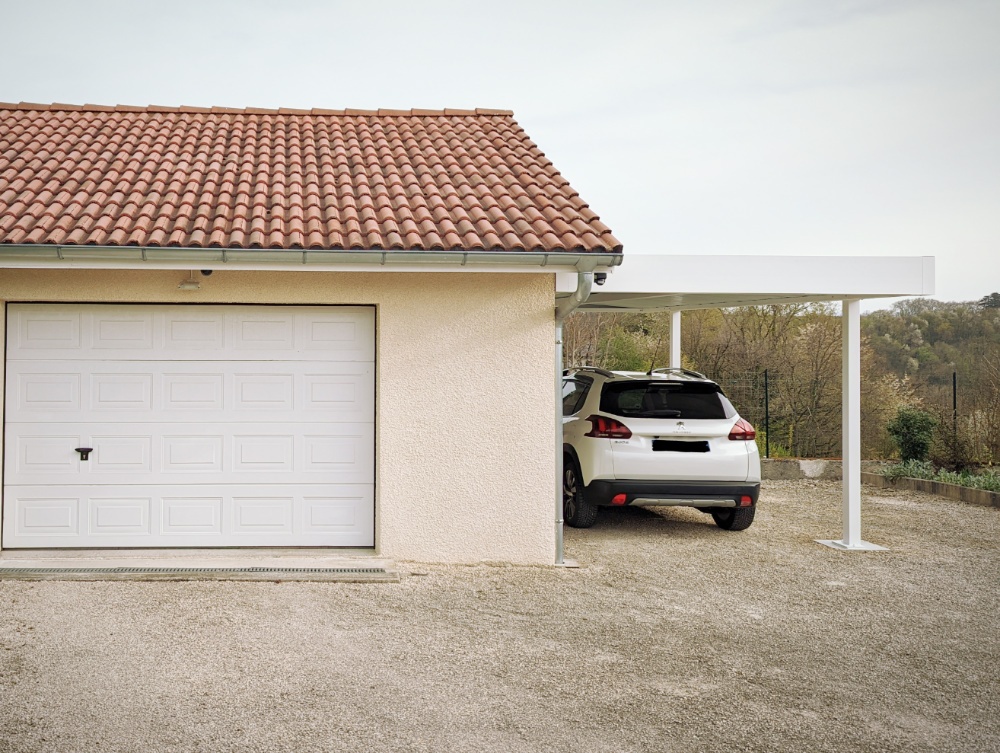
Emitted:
pixel 743 430
pixel 607 428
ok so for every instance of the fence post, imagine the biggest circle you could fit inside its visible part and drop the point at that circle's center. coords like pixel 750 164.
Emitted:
pixel 954 403
pixel 767 419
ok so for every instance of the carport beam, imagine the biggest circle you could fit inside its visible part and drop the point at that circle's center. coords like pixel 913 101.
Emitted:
pixel 851 428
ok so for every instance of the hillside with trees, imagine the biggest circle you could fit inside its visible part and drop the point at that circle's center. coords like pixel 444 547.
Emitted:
pixel 781 366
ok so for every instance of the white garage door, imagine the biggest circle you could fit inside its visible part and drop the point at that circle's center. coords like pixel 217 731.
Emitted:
pixel 209 426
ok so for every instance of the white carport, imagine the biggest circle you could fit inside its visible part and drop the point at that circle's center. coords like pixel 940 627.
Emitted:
pixel 675 283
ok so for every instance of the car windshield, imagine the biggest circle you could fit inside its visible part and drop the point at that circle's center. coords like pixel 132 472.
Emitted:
pixel 666 400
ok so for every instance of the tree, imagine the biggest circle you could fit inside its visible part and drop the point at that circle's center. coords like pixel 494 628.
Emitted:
pixel 991 301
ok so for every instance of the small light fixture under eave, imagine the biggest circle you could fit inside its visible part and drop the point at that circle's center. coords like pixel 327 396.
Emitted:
pixel 190 283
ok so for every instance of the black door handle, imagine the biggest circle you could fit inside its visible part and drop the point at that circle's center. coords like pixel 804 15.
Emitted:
pixel 84 452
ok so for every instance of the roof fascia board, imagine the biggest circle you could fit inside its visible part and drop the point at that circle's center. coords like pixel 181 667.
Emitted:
pixel 684 282
pixel 836 276
pixel 297 260
pixel 685 303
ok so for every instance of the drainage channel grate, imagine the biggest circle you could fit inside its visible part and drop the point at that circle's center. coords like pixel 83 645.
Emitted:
pixel 213 573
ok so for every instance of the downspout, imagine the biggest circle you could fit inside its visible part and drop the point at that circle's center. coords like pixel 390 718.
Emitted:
pixel 564 307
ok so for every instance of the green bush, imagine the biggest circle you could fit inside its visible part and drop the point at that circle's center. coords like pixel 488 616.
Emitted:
pixel 910 469
pixel 913 431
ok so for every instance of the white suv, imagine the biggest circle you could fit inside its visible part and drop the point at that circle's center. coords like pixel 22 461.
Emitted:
pixel 667 437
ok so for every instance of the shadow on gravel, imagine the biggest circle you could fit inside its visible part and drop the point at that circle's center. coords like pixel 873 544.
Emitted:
pixel 644 521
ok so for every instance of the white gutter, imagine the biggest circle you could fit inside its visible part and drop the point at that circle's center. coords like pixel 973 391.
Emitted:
pixel 35 256
pixel 564 307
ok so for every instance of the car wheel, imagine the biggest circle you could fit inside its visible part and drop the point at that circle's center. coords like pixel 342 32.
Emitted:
pixel 735 518
pixel 576 510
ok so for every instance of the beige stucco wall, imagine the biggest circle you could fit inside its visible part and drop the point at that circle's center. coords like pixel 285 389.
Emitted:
pixel 464 385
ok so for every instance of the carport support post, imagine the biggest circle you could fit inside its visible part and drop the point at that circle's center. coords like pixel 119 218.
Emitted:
pixel 851 428
pixel 675 339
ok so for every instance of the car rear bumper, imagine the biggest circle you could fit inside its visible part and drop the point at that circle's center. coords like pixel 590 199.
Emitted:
pixel 681 493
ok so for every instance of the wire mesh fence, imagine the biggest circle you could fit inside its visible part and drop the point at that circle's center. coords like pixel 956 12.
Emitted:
pixel 794 417
pixel 797 417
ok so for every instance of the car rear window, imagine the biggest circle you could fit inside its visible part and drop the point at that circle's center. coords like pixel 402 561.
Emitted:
pixel 574 393
pixel 666 400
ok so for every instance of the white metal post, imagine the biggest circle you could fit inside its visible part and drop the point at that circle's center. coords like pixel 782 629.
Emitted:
pixel 675 339
pixel 559 442
pixel 851 429
pixel 851 421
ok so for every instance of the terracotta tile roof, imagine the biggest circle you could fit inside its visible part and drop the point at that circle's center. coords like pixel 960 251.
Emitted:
pixel 322 179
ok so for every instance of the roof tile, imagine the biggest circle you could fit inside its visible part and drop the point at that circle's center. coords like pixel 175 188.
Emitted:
pixel 253 178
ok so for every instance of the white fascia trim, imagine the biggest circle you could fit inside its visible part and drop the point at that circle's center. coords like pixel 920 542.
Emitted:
pixel 298 260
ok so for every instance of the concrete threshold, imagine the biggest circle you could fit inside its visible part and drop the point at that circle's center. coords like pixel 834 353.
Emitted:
pixel 275 565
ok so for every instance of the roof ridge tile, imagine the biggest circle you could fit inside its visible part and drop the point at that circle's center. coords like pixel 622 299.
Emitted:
pixel 381 112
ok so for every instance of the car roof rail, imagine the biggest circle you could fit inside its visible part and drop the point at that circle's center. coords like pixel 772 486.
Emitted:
pixel 595 369
pixel 675 370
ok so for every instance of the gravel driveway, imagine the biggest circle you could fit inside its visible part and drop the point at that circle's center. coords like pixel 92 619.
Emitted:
pixel 673 636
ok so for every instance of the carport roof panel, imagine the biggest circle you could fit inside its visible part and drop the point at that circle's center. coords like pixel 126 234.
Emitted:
pixel 674 282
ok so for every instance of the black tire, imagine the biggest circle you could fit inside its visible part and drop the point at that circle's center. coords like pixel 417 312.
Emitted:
pixel 576 510
pixel 734 518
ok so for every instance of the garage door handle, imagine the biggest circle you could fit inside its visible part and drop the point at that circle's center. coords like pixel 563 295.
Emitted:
pixel 84 452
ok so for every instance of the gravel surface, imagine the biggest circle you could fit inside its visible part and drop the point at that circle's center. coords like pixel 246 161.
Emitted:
pixel 672 636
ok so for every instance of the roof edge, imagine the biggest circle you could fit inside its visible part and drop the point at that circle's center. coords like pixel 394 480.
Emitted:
pixel 316 111
pixel 37 256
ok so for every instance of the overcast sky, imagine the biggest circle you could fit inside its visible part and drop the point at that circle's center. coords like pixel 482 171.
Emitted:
pixel 838 127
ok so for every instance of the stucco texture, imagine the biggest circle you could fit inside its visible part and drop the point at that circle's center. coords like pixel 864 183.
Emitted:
pixel 464 393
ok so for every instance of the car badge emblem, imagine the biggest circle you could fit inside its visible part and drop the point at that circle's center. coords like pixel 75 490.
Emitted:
pixel 680 426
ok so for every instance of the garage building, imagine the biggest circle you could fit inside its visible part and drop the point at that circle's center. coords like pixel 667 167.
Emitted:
pixel 282 329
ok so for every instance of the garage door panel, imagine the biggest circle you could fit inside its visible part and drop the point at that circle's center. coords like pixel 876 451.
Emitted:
pixel 129 329
pixel 41 455
pixel 209 426
pixel 195 330
pixel 40 516
pixel 120 515
pixel 39 393
pixel 194 454
pixel 169 392
pixel 121 392
pixel 241 515
pixel 191 333
pixel 41 331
